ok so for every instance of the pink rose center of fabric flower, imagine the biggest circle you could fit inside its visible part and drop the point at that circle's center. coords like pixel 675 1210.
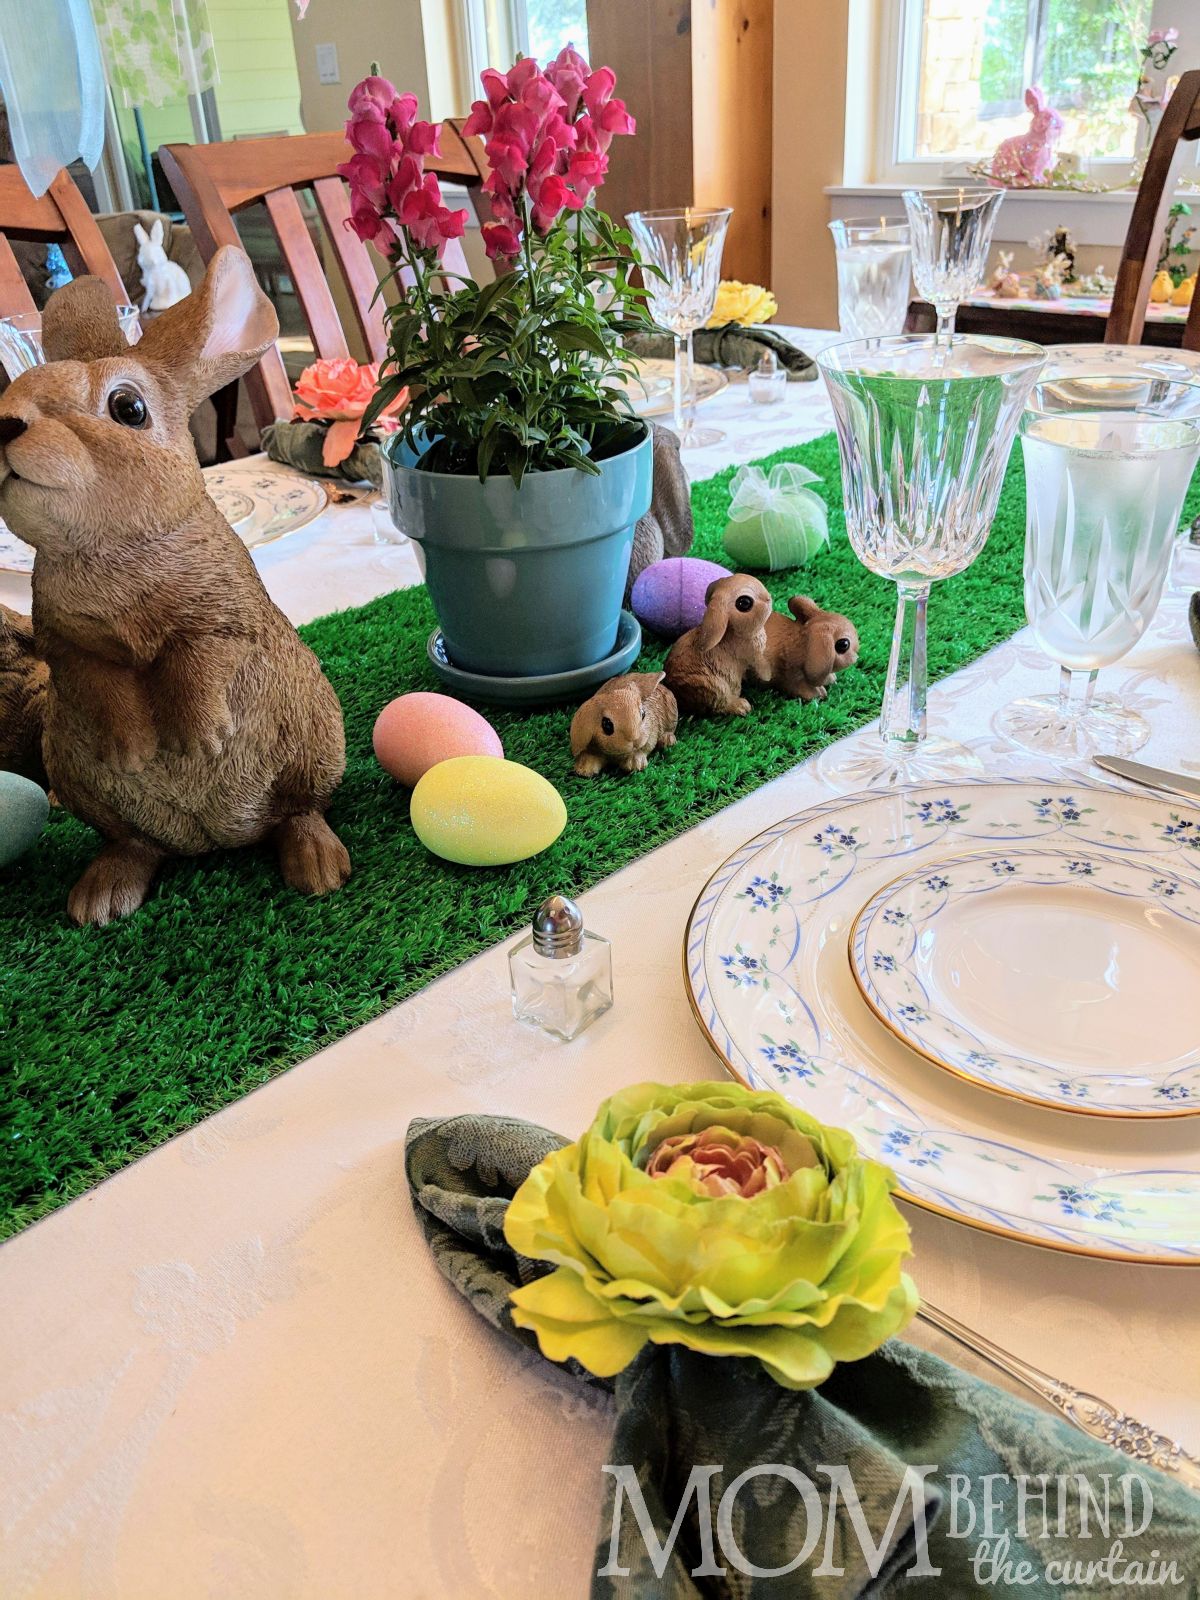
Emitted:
pixel 719 1163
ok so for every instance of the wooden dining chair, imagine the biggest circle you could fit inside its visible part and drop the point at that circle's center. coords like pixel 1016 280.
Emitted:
pixel 215 181
pixel 61 217
pixel 1139 257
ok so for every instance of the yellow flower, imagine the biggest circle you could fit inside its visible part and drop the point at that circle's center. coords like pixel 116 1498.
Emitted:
pixel 716 1217
pixel 746 303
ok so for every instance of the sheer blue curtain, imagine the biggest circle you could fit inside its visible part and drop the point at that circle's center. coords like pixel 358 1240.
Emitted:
pixel 53 85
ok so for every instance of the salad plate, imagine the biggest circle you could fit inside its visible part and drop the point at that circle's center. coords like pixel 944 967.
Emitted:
pixel 1050 975
pixel 260 503
pixel 651 387
pixel 769 982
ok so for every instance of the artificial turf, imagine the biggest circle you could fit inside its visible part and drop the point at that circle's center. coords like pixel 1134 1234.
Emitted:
pixel 114 1039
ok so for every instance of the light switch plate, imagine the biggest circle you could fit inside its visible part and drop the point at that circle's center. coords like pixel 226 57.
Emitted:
pixel 328 70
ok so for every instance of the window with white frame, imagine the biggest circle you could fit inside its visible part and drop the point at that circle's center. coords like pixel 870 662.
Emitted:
pixel 497 31
pixel 956 71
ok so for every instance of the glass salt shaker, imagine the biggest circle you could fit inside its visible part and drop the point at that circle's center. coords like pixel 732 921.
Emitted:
pixel 768 381
pixel 561 973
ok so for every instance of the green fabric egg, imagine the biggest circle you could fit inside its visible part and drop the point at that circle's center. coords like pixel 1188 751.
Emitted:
pixel 23 812
pixel 775 521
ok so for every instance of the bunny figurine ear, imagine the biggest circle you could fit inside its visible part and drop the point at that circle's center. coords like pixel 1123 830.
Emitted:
pixel 1035 99
pixel 214 335
pixel 80 323
pixel 803 608
pixel 156 231
pixel 646 682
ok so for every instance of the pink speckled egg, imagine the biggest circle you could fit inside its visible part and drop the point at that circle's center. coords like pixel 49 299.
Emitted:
pixel 417 731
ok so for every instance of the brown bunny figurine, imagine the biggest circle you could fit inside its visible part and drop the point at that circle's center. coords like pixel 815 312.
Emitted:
pixel 183 714
pixel 804 656
pixel 705 668
pixel 624 722
pixel 23 676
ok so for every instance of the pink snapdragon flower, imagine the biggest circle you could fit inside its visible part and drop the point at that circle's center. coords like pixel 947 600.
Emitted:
pixel 386 174
pixel 546 135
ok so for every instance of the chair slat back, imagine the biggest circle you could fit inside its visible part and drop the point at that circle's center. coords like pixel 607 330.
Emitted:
pixel 61 217
pixel 214 181
pixel 1139 257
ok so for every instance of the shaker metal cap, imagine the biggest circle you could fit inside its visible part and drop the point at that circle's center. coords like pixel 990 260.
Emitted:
pixel 557 928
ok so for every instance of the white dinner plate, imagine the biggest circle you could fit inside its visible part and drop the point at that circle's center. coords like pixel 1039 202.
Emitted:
pixel 260 502
pixel 1121 361
pixel 1051 975
pixel 767 974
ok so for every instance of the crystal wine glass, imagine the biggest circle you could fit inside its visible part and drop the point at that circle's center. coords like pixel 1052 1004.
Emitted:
pixel 924 431
pixel 686 248
pixel 1107 465
pixel 21 338
pixel 874 268
pixel 951 236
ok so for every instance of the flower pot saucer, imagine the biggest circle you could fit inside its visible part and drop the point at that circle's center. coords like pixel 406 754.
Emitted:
pixel 540 687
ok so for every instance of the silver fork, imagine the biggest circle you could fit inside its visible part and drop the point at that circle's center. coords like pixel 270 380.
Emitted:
pixel 1088 1412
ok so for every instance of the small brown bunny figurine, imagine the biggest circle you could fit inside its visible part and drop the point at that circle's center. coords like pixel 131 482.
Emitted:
pixel 183 714
pixel 804 656
pixel 624 722
pixel 706 667
pixel 23 676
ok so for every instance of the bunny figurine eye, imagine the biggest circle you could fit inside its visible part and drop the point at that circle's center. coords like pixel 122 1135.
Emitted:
pixel 841 646
pixel 608 725
pixel 127 407
pixel 744 602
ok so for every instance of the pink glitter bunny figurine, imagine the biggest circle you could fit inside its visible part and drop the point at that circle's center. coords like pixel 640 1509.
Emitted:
pixel 1027 159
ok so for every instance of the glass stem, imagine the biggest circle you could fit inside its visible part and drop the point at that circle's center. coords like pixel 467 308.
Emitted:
pixel 1075 688
pixel 683 350
pixel 902 721
pixel 945 323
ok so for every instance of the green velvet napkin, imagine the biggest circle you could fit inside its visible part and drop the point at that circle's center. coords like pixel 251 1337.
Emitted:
pixel 299 445
pixel 900 1408
pixel 730 346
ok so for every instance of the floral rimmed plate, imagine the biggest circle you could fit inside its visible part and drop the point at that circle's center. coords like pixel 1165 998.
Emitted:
pixel 260 503
pixel 1051 975
pixel 767 975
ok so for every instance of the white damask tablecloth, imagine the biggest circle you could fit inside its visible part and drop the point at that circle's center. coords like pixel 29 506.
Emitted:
pixel 233 1370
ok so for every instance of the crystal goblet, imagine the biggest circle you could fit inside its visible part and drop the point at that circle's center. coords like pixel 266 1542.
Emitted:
pixel 685 246
pixel 924 432
pixel 951 236
pixel 874 269
pixel 1108 461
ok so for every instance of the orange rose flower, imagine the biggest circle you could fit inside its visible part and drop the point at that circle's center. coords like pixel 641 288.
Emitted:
pixel 338 392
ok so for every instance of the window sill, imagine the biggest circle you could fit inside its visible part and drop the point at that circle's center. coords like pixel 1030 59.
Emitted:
pixel 1094 219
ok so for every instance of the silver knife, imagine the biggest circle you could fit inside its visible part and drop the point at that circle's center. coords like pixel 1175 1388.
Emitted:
pixel 1152 777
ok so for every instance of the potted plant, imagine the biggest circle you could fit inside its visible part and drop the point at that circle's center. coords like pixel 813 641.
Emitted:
pixel 519 469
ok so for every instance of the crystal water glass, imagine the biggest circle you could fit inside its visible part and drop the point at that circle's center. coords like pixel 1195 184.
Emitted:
pixel 685 246
pixel 21 338
pixel 924 431
pixel 951 236
pixel 1108 462
pixel 874 266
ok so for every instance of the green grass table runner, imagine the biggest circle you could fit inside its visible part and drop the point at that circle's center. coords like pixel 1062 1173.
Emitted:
pixel 112 1040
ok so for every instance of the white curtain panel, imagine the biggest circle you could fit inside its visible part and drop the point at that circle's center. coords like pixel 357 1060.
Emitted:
pixel 53 84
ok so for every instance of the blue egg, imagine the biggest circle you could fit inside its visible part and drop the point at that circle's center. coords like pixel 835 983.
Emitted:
pixel 23 812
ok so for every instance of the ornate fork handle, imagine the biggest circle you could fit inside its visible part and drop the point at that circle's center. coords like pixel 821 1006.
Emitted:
pixel 1087 1412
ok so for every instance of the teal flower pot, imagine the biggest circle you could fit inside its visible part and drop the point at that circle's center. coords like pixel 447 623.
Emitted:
pixel 530 580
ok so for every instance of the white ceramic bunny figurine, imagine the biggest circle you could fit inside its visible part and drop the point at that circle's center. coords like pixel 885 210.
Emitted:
pixel 1028 158
pixel 164 283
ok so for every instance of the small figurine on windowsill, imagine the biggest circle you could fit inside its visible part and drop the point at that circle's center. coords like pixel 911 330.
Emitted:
pixel 1005 283
pixel 1048 280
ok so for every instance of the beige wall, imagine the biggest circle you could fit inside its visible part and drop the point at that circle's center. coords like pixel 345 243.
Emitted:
pixel 390 32
pixel 810 125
